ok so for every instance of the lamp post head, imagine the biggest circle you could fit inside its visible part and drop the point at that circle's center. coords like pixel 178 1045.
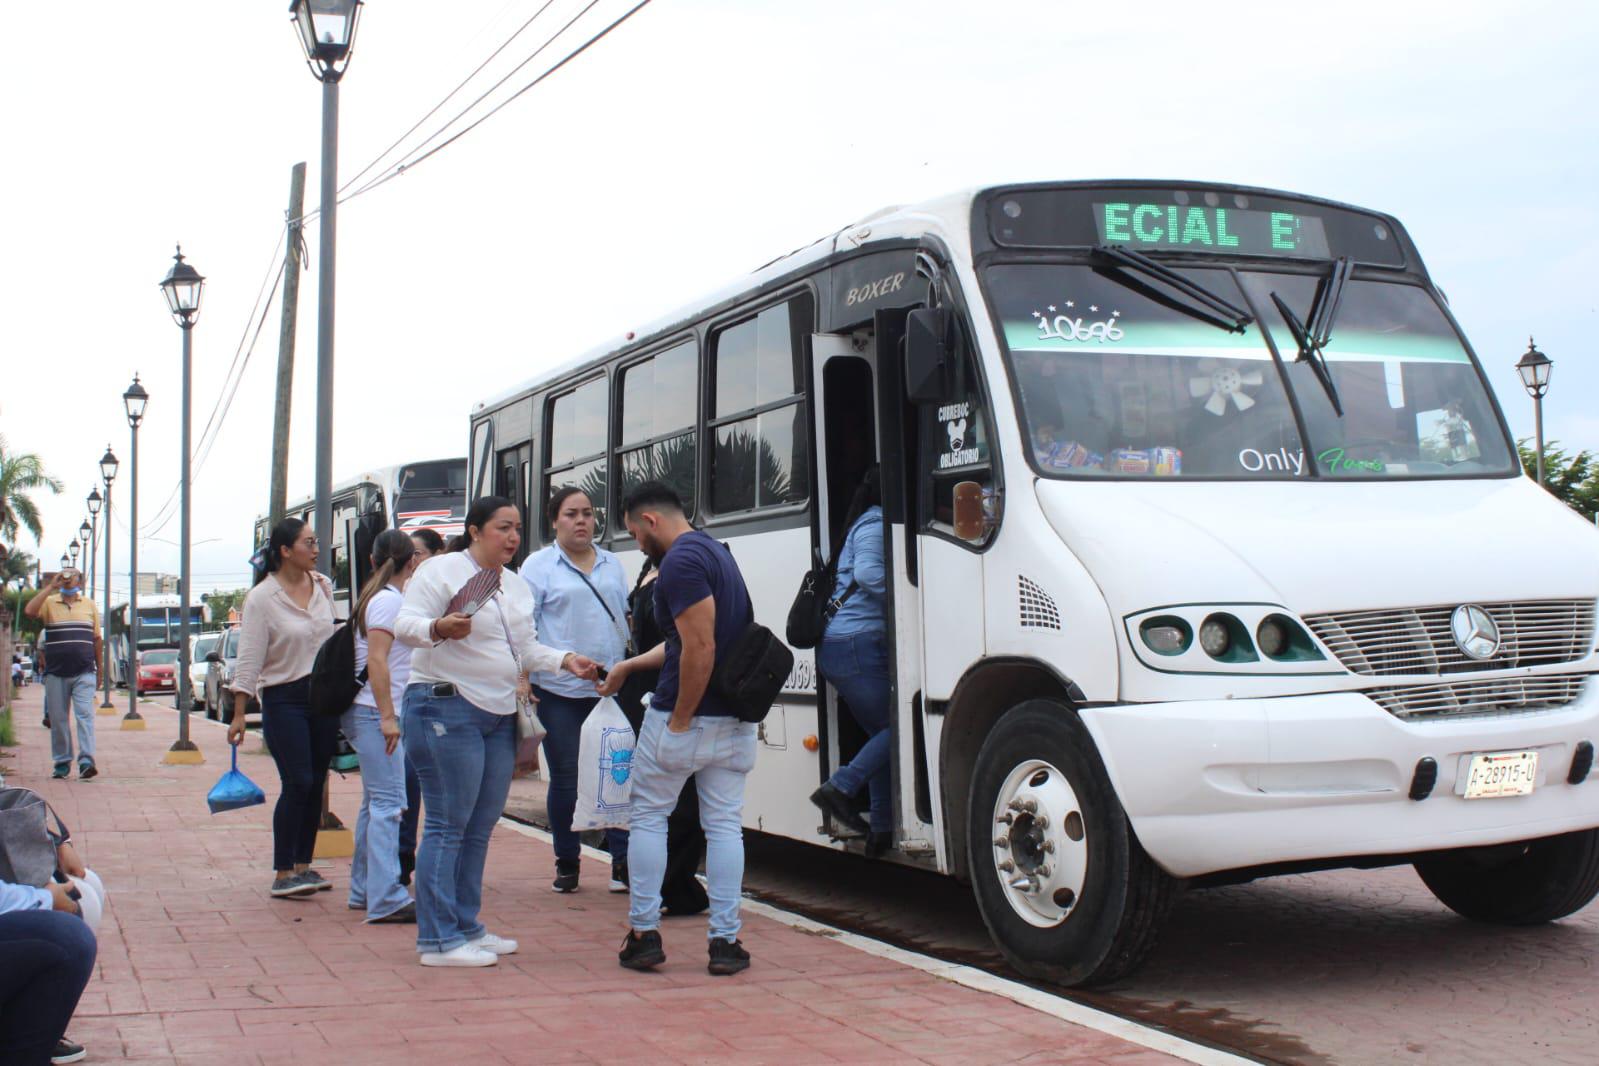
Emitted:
pixel 65 562
pixel 134 400
pixel 327 34
pixel 95 499
pixel 1534 367
pixel 108 468
pixel 182 287
pixel 84 531
pixel 72 550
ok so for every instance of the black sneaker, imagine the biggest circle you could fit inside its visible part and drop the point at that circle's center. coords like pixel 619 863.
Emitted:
pixel 67 1051
pixel 406 915
pixel 87 770
pixel 565 875
pixel 643 951
pixel 727 957
pixel 846 823
pixel 619 880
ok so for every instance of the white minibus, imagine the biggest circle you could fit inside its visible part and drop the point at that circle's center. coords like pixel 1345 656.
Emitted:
pixel 1210 554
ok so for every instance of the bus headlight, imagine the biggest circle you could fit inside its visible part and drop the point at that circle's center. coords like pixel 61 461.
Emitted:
pixel 1271 637
pixel 1167 635
pixel 1214 637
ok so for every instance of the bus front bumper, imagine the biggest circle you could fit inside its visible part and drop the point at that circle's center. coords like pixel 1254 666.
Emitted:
pixel 1227 784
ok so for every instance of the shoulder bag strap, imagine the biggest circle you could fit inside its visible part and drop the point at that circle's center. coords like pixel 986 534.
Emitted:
pixel 627 638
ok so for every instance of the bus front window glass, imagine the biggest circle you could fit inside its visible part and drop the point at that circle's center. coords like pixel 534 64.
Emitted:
pixel 578 429
pixel 657 422
pixel 343 511
pixel 1413 402
pixel 758 452
pixel 1117 380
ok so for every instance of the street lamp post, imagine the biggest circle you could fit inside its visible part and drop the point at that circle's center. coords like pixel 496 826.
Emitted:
pixel 94 502
pixel 85 533
pixel 133 401
pixel 1534 367
pixel 182 288
pixel 72 551
pixel 108 474
pixel 327 34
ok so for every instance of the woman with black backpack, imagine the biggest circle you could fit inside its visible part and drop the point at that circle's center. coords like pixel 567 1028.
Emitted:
pixel 287 617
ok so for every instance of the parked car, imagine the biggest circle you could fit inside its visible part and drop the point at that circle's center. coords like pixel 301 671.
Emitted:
pixel 158 670
pixel 199 648
pixel 220 706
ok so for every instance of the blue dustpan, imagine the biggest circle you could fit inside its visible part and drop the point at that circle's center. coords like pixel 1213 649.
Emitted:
pixel 234 790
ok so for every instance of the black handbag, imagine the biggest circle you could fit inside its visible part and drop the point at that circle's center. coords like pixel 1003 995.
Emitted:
pixel 752 673
pixel 812 609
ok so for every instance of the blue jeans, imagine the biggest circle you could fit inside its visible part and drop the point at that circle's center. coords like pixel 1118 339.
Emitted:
pixel 49 957
pixel 857 665
pixel 563 717
pixel 719 752
pixel 375 866
pixel 66 699
pixel 302 744
pixel 464 758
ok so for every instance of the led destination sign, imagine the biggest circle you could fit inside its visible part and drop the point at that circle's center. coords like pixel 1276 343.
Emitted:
pixel 1212 221
pixel 1194 228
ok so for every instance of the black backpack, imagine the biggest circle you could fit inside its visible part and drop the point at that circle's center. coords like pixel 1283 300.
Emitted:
pixel 334 682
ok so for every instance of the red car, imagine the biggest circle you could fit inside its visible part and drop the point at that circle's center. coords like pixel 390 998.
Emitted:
pixel 158 670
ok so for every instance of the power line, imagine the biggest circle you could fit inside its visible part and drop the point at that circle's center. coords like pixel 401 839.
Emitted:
pixel 448 96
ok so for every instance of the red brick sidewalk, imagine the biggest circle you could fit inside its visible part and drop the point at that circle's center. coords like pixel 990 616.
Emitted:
pixel 197 964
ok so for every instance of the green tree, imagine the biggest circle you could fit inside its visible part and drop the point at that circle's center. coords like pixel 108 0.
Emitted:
pixel 221 601
pixel 1572 479
pixel 20 476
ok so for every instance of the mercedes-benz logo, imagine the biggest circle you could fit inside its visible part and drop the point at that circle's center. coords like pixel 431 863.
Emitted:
pixel 1475 631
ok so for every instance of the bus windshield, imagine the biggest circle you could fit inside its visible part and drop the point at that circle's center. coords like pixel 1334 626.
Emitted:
pixel 1118 378
pixel 430 494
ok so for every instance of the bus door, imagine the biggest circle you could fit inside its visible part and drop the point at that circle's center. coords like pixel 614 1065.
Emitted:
pixel 513 479
pixel 844 384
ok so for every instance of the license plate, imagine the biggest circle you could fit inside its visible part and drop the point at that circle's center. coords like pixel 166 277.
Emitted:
pixel 1503 773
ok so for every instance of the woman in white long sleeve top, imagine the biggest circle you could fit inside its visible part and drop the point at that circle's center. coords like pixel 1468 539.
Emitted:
pixel 460 722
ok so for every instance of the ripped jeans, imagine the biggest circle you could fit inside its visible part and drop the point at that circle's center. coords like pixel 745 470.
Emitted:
pixel 464 758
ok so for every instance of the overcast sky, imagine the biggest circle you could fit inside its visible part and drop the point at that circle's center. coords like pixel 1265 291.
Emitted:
pixel 694 143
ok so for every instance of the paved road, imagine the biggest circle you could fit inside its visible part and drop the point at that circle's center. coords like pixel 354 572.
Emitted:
pixel 1348 968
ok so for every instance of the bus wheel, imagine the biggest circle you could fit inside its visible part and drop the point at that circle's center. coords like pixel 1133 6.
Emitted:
pixel 1064 887
pixel 1517 884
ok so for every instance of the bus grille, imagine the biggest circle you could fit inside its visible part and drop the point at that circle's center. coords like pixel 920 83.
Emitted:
pixel 1491 697
pixel 1418 640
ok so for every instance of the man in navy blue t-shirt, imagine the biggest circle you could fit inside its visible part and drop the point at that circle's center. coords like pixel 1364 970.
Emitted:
pixel 702 606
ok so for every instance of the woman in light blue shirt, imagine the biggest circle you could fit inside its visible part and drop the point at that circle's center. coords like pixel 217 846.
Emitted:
pixel 853 657
pixel 579 602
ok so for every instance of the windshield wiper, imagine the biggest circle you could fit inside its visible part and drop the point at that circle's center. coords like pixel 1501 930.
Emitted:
pixel 1315 334
pixel 1214 309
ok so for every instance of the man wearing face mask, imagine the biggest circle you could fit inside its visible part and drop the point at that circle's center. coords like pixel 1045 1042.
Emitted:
pixel 71 648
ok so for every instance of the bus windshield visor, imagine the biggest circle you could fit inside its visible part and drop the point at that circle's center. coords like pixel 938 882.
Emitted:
pixel 1117 378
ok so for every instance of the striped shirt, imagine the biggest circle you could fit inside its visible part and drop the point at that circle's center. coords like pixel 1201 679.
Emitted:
pixel 69 632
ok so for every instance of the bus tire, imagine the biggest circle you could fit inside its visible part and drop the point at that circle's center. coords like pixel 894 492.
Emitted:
pixel 1529 883
pixel 1093 902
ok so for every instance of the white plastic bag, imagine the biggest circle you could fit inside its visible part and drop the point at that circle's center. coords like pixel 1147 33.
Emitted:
pixel 604 769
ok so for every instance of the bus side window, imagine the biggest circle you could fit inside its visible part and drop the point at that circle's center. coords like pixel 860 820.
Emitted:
pixel 578 430
pixel 955 444
pixel 758 440
pixel 657 434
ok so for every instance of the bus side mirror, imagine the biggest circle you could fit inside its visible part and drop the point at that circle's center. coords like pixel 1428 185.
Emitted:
pixel 976 512
pixel 927 355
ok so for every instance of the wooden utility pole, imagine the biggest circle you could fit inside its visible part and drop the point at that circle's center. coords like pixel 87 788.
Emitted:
pixel 291 307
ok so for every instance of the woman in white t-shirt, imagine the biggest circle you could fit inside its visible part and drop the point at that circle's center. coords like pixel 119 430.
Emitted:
pixel 372 725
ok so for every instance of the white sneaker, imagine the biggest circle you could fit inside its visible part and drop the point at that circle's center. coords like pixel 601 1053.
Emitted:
pixel 465 955
pixel 497 945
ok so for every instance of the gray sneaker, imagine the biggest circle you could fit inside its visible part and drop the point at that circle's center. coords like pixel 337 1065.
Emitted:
pixel 316 880
pixel 291 886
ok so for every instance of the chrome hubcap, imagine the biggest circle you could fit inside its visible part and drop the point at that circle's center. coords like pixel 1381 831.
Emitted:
pixel 1040 844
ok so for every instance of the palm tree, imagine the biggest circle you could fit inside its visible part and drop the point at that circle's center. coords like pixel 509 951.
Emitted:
pixel 21 475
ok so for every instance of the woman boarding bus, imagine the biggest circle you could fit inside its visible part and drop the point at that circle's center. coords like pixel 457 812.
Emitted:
pixel 1188 492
